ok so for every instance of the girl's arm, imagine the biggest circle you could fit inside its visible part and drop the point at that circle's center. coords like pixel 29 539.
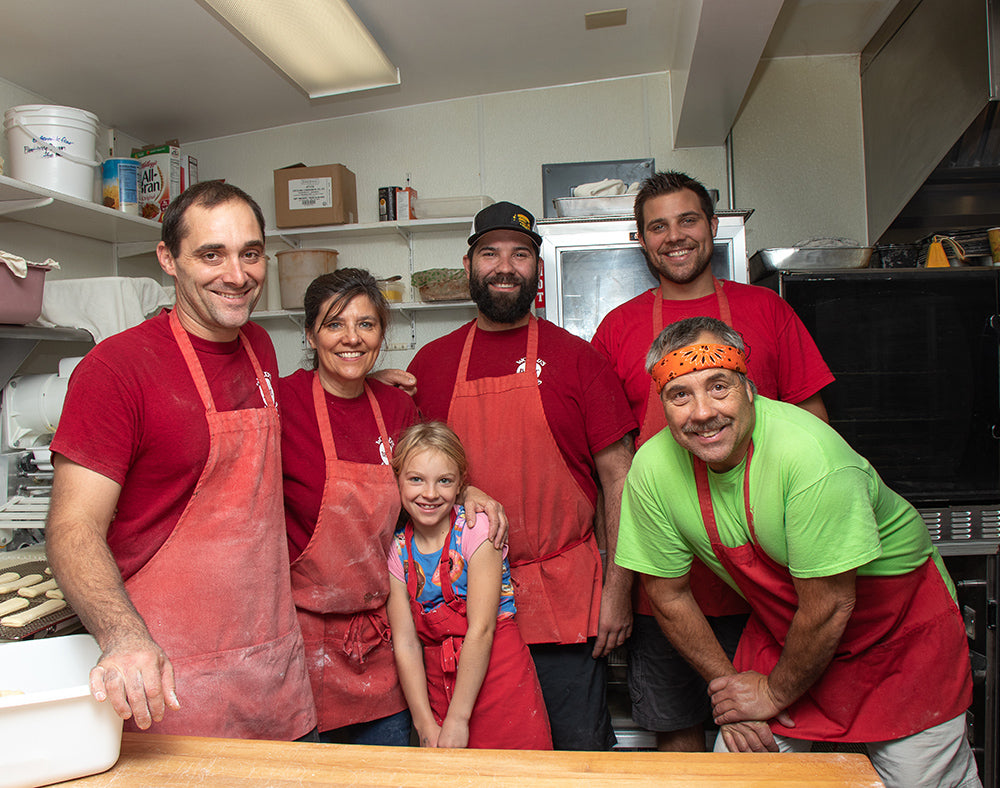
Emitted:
pixel 409 653
pixel 485 570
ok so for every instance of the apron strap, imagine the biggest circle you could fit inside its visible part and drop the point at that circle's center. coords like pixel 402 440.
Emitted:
pixel 444 567
pixel 720 296
pixel 198 374
pixel 323 419
pixel 705 498
pixel 530 356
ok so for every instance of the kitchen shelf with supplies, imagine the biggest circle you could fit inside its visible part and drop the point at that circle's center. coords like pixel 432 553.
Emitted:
pixel 297 316
pixel 30 204
pixel 407 230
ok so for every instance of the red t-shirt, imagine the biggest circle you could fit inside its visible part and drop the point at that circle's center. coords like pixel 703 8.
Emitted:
pixel 583 400
pixel 132 413
pixel 355 434
pixel 783 360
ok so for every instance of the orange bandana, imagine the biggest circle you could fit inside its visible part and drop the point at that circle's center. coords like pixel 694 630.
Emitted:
pixel 695 357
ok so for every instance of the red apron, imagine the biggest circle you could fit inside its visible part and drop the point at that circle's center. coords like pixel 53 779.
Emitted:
pixel 340 585
pixel 216 597
pixel 713 595
pixel 509 713
pixel 554 561
pixel 902 664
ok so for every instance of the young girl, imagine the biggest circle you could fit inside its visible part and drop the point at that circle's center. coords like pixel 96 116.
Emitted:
pixel 465 670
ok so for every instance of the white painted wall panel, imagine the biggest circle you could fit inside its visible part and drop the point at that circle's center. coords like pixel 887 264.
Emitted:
pixel 799 154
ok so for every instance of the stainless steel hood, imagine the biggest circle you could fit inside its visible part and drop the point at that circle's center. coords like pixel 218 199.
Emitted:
pixel 926 87
pixel 962 193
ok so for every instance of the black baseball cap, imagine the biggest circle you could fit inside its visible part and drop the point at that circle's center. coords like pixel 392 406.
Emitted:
pixel 504 216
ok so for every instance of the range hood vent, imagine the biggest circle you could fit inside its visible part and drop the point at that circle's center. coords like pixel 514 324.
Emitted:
pixel 962 194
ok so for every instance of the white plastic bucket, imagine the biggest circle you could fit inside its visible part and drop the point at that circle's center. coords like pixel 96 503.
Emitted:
pixel 53 147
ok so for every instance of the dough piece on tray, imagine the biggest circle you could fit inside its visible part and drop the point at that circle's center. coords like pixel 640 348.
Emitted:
pixel 25 617
pixel 13 605
pixel 9 577
pixel 38 589
pixel 13 585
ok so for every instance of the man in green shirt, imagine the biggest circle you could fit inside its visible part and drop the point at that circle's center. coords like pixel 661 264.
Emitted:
pixel 853 615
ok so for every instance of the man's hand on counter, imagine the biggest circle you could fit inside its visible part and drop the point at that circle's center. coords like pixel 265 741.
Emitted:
pixel 748 736
pixel 137 679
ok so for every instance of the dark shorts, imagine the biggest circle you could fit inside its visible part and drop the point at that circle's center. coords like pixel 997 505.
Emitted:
pixel 574 686
pixel 391 731
pixel 667 693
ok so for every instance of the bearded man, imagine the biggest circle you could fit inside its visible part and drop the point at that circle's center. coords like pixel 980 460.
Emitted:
pixel 543 417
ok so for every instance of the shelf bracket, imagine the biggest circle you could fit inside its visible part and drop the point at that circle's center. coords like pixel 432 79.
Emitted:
pixel 291 243
pixel 12 206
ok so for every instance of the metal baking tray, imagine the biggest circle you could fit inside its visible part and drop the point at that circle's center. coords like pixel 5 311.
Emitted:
pixel 52 622
pixel 794 258
pixel 610 205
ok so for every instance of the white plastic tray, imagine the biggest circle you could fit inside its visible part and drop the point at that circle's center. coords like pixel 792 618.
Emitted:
pixel 55 731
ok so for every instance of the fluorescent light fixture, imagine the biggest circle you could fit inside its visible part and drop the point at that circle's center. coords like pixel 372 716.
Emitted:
pixel 320 45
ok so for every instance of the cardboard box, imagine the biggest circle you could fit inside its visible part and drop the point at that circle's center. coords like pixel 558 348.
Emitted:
pixel 315 196
pixel 405 198
pixel 159 178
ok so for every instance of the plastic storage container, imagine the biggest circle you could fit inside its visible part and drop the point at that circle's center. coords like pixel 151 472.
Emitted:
pixel 53 147
pixel 21 299
pixel 297 268
pixel 55 731
pixel 449 207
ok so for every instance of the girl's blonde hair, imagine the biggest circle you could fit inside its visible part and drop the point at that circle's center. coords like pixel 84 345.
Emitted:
pixel 431 435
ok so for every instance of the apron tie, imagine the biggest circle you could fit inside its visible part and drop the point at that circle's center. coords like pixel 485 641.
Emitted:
pixel 553 554
pixel 451 650
pixel 356 644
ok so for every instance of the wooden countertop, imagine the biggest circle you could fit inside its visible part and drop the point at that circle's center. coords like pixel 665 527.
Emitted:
pixel 160 761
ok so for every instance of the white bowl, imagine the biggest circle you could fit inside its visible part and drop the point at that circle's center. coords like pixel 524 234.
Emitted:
pixel 55 731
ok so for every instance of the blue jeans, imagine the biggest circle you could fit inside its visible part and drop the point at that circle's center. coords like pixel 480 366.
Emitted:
pixel 391 731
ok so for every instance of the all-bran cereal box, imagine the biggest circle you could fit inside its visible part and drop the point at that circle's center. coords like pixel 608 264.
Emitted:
pixel 159 178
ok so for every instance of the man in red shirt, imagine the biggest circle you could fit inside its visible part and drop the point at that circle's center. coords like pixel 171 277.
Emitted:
pixel 166 528
pixel 676 221
pixel 542 415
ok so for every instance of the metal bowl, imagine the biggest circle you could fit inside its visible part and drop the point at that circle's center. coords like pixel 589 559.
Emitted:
pixel 609 205
pixel 796 258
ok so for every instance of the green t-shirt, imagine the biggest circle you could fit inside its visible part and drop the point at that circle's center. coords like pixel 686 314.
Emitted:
pixel 819 508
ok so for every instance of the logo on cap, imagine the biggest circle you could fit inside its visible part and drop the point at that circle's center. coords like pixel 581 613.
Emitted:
pixel 523 220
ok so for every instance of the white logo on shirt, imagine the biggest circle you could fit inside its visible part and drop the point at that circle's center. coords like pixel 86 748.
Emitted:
pixel 267 380
pixel 538 368
pixel 381 450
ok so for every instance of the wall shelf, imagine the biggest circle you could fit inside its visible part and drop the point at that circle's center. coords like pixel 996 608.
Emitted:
pixel 293 236
pixel 30 204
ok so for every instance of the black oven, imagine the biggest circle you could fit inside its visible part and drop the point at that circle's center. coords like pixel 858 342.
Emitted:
pixel 916 356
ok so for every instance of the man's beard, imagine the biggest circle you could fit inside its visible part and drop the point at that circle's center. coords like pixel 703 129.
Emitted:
pixel 669 274
pixel 503 308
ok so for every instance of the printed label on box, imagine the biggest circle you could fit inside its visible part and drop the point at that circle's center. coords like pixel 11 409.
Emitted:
pixel 307 193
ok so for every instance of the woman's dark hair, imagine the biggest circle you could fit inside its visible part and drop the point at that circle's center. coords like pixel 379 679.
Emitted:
pixel 343 285
pixel 207 194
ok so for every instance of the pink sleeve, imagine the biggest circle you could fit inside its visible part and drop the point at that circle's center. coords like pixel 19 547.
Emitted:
pixel 395 563
pixel 474 537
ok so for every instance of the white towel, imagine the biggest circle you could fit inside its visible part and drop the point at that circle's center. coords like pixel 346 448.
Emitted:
pixel 19 266
pixel 609 187
pixel 103 305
